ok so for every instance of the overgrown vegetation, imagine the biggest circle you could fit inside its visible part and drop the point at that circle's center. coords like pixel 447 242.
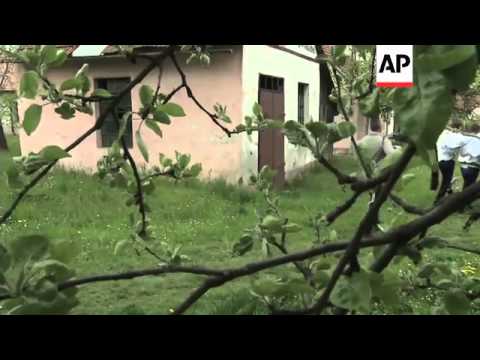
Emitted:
pixel 81 216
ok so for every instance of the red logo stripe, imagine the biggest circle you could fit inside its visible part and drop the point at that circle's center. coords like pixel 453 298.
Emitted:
pixel 395 84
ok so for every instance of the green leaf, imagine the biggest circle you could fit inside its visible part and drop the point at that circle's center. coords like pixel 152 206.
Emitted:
pixel 83 83
pixel 384 288
pixel 294 287
pixel 462 75
pixel 123 124
pixel 321 278
pixel 291 228
pixel 266 287
pixel 257 110
pixel 70 84
pixel 271 222
pixel 353 293
pixel 164 161
pixel 102 93
pixel 66 111
pixel 28 247
pixel 53 153
pixel 48 54
pixel 195 170
pixel 456 303
pixel 141 145
pixel 225 118
pixel 152 125
pixel 442 57
pixel 369 104
pixel 65 250
pixel 244 245
pixel 54 269
pixel 45 290
pixel 172 109
pixel 339 50
pixel 161 117
pixel 389 160
pixel 183 161
pixel 318 129
pixel 13 176
pixel 60 58
pixel 407 179
pixel 32 118
pixel 423 111
pixel 29 85
pixel 146 96
pixel 298 134
pixel 346 129
pixel 120 247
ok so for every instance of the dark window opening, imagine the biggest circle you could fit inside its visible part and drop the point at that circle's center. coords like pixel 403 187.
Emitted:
pixel 109 130
pixel 271 83
pixel 302 102
pixel 328 109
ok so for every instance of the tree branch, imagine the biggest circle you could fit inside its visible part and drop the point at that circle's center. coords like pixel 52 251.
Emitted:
pixel 190 94
pixel 333 215
pixel 352 250
pixel 98 124
pixel 450 205
pixel 224 274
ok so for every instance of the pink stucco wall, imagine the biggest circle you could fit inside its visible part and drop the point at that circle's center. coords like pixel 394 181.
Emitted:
pixel 194 134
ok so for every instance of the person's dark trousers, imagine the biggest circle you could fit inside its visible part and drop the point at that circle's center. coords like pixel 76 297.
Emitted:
pixel 447 169
pixel 470 175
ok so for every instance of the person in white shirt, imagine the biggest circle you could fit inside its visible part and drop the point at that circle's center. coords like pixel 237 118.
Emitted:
pixel 469 157
pixel 450 142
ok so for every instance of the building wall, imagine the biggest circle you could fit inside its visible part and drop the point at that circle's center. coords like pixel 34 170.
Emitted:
pixel 194 134
pixel 266 60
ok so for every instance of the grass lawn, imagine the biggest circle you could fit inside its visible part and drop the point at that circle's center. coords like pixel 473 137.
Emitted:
pixel 206 219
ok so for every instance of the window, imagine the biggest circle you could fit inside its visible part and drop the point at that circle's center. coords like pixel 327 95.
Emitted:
pixel 302 102
pixel 109 131
pixel 271 83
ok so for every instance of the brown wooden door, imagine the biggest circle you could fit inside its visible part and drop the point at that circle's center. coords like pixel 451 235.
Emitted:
pixel 271 144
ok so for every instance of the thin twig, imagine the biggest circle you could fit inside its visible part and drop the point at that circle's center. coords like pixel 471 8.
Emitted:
pixel 333 215
pixel 190 94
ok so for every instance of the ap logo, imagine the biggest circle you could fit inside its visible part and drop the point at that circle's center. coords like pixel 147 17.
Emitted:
pixel 394 65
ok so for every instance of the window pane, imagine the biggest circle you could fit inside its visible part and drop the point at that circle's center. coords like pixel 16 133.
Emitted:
pixel 109 130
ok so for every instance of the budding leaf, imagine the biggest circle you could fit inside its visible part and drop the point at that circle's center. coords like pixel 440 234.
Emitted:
pixel 29 85
pixel 32 118
pixel 146 95
pixel 141 145
pixel 53 152
pixel 152 125
pixel 172 109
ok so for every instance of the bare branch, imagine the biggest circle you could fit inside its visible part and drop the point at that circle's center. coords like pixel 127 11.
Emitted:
pixel 352 250
pixel 190 94
pixel 332 216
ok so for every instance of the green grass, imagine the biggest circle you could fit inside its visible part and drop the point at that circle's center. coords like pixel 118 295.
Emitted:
pixel 204 218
